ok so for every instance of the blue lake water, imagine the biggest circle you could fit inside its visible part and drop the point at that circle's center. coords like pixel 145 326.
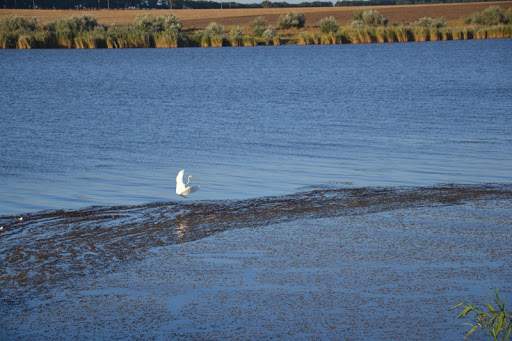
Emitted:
pixel 102 127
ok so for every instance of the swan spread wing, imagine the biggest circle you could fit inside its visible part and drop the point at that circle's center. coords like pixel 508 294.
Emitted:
pixel 183 189
pixel 180 185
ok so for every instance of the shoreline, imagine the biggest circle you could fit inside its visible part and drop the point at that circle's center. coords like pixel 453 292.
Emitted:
pixel 146 31
pixel 62 245
pixel 331 277
pixel 391 35
pixel 335 194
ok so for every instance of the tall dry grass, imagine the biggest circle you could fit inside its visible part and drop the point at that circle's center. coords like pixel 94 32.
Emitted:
pixel 213 35
pixel 361 35
pixel 312 38
pixel 248 41
pixel 329 28
pixel 236 36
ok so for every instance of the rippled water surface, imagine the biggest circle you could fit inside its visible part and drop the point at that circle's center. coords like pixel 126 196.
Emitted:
pixel 99 127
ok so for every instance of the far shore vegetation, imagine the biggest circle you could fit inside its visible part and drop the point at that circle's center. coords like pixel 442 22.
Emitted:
pixel 368 26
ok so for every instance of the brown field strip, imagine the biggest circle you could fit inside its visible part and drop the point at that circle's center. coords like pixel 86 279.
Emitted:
pixel 198 18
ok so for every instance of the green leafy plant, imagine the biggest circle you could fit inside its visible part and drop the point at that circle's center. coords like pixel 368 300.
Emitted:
pixel 329 29
pixel 148 23
pixel 430 22
pixel 213 35
pixel 494 319
pixel 329 25
pixel 16 23
pixel 291 20
pixel 236 36
pixel 369 18
pixel 269 35
pixel 493 15
pixel 258 26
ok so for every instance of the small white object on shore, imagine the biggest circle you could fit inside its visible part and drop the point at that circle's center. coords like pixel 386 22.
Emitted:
pixel 183 189
pixel 19 219
pixel 1 228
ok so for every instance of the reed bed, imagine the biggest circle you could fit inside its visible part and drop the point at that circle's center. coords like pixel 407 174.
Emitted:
pixel 248 41
pixel 166 32
pixel 213 35
pixel 236 36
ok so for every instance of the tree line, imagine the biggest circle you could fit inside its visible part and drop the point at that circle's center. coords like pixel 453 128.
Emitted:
pixel 156 4
pixel 199 4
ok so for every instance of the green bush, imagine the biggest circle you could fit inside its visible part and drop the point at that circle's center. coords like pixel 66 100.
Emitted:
pixel 213 35
pixel 91 39
pixel 258 26
pixel 329 28
pixel 236 36
pixel 8 40
pixel 493 15
pixel 74 25
pixel 304 38
pixel 369 18
pixel 166 39
pixel 160 31
pixel 18 32
pixel 430 23
pixel 291 20
pixel 69 32
pixel 128 37
pixel 18 24
pixel 151 24
pixel 44 39
pixel 269 35
pixel 248 41
pixel 115 37
pixel 329 25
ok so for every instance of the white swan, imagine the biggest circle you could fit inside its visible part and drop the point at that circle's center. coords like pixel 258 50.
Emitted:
pixel 183 189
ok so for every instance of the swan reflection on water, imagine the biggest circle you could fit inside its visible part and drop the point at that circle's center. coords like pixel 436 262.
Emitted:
pixel 182 228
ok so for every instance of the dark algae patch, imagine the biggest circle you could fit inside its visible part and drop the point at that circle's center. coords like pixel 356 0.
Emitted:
pixel 45 249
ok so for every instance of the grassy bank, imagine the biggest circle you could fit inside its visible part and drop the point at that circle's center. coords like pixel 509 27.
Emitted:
pixel 167 31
